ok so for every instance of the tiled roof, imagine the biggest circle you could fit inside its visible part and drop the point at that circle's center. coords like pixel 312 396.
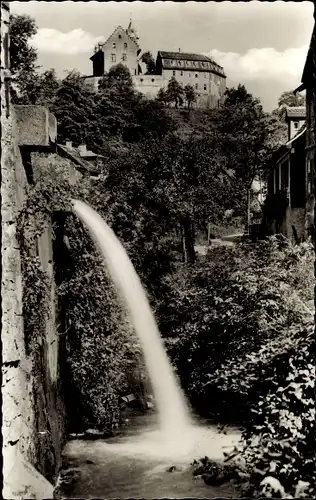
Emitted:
pixel 296 112
pixel 185 56
pixel 198 61
pixel 74 156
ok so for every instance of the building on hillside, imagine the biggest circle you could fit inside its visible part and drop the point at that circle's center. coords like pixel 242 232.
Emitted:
pixel 290 203
pixel 121 47
pixel 309 85
pixel 284 208
pixel 201 72
pixel 295 117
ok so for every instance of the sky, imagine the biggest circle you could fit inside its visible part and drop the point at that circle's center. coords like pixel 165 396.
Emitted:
pixel 262 45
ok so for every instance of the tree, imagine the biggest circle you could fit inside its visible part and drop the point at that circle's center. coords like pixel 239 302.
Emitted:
pixel 190 95
pixel 76 111
pixel 47 88
pixel 239 95
pixel 148 59
pixel 244 131
pixel 23 59
pixel 162 96
pixel 118 77
pixel 288 98
pixel 175 92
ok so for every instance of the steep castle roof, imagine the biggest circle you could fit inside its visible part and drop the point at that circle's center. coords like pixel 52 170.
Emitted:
pixel 184 56
pixel 192 57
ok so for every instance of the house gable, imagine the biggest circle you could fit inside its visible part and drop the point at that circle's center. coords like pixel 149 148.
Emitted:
pixel 119 34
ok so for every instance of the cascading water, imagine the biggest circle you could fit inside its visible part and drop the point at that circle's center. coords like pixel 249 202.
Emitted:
pixel 174 417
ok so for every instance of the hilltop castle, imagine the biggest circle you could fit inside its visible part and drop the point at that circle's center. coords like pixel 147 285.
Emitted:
pixel 205 75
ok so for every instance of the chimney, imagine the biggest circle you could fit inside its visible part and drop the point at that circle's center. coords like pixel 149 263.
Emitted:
pixel 82 149
pixel 69 144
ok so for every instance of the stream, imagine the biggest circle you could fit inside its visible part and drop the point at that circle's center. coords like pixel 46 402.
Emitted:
pixel 136 464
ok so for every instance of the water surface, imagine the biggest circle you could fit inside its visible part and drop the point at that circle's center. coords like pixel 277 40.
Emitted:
pixel 135 464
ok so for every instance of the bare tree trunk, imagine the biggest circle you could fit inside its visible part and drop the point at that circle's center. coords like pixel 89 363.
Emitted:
pixel 189 239
pixel 248 210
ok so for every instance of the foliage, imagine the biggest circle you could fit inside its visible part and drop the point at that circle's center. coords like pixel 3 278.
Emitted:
pixel 190 95
pixel 162 96
pixel 97 325
pixel 23 59
pixel 288 98
pixel 75 109
pixel 239 95
pixel 246 340
pixel 174 92
pixel 89 326
pixel 229 306
pixel 280 441
pixel 148 59
pixel 118 79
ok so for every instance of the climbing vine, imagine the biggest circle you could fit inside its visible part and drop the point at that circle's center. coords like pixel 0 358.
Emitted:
pixel 101 351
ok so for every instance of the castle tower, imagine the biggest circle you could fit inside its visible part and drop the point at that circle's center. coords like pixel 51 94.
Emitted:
pixel 132 33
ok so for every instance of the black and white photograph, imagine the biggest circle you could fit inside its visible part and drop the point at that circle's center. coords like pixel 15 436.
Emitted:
pixel 158 249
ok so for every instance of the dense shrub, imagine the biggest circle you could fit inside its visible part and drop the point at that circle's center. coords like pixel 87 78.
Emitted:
pixel 248 341
pixel 230 306
pixel 279 440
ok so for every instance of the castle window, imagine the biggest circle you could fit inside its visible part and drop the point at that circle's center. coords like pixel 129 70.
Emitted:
pixel 113 57
pixel 124 57
pixel 114 45
pixel 205 87
pixel 120 36
pixel 181 73
pixel 196 75
pixel 296 125
pixel 174 73
pixel 125 45
pixel 152 79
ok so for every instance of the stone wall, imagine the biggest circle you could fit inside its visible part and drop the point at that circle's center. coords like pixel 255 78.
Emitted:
pixel 149 85
pixel 32 410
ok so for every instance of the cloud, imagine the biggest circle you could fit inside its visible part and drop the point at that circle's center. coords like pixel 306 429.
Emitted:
pixel 264 64
pixel 53 41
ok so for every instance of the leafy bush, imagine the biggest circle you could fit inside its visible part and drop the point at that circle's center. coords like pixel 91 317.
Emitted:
pixel 280 439
pixel 230 306
pixel 246 342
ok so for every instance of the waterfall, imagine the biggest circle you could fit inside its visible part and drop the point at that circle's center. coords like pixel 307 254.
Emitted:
pixel 174 417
